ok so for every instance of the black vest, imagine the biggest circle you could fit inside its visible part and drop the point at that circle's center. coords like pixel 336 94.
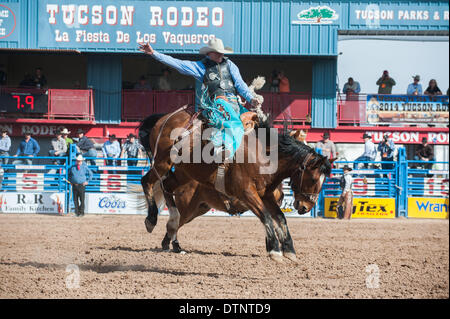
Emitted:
pixel 342 182
pixel 218 78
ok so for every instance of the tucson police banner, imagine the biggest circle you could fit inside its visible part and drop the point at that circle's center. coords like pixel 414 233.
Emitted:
pixel 407 109
pixel 171 25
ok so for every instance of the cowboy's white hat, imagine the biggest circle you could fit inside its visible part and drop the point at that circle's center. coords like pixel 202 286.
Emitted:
pixel 65 131
pixel 80 158
pixel 215 45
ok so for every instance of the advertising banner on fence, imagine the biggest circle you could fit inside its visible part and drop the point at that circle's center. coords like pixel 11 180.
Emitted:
pixel 406 109
pixel 39 203
pixel 427 207
pixel 115 203
pixel 364 207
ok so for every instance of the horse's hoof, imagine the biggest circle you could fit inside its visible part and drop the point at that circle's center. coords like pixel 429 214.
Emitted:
pixel 291 256
pixel 276 256
pixel 149 226
pixel 176 248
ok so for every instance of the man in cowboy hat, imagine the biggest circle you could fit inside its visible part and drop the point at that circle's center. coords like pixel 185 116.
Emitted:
pixel 131 147
pixel 221 78
pixel 327 146
pixel 59 147
pixel 85 146
pixel 370 151
pixel 65 134
pixel 344 207
pixel 79 176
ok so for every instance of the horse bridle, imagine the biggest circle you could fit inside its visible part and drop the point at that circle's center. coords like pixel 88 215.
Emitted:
pixel 309 196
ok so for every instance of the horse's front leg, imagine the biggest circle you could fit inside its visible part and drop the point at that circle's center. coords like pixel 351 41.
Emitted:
pixel 257 206
pixel 281 228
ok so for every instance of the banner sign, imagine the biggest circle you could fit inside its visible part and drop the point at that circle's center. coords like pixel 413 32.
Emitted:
pixel 115 203
pixel 364 207
pixel 406 109
pixel 9 21
pixel 422 207
pixel 381 15
pixel 315 14
pixel 170 25
pixel 39 203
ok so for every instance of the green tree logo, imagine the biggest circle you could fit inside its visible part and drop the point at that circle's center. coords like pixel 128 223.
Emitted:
pixel 318 14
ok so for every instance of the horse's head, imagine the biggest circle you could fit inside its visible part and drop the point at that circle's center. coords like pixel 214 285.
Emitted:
pixel 307 180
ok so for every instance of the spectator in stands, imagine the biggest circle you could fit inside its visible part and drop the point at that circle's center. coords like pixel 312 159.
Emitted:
pixel 39 79
pixel 131 148
pixel 284 83
pixel 28 147
pixel 414 88
pixel 3 76
pixel 65 134
pixel 59 148
pixel 275 81
pixel 386 148
pixel 433 89
pixel 27 81
pixel 143 84
pixel 5 145
pixel 326 146
pixel 79 177
pixel 425 152
pixel 385 83
pixel 344 207
pixel 111 149
pixel 163 81
pixel 85 146
pixel 351 88
pixel 370 152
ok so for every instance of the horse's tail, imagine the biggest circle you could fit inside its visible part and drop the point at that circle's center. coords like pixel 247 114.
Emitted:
pixel 145 129
pixel 139 201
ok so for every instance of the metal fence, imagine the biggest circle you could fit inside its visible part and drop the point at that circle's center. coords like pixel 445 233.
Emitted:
pixel 402 188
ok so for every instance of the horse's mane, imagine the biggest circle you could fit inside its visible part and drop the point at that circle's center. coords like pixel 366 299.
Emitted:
pixel 296 150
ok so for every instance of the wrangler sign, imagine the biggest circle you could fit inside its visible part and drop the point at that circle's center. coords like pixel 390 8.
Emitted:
pixel 364 207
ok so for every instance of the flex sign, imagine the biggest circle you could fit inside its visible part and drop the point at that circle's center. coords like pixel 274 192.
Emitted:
pixel 121 25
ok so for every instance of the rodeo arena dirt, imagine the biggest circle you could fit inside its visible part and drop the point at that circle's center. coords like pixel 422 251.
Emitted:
pixel 256 151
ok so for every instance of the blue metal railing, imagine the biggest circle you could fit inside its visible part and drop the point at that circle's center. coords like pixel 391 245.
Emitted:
pixel 399 179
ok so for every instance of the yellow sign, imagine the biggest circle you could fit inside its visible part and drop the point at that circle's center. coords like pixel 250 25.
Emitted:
pixel 364 207
pixel 426 207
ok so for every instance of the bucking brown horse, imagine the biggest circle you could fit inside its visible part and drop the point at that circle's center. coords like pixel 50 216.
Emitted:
pixel 252 182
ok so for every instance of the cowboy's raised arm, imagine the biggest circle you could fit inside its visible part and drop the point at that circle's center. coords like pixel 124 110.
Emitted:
pixel 195 69
pixel 240 85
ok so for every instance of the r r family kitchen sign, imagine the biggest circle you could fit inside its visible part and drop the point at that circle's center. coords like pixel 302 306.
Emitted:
pixel 123 24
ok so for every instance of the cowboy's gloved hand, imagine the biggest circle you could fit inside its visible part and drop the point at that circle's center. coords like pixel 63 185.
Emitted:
pixel 254 102
pixel 146 48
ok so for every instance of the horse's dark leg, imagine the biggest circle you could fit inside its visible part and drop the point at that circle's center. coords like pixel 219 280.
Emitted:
pixel 281 228
pixel 147 182
pixel 166 242
pixel 257 206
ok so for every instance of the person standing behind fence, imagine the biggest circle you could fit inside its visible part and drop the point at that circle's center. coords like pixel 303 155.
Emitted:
pixel 5 145
pixel 131 148
pixel 111 149
pixel 327 146
pixel 414 88
pixel 86 146
pixel 344 206
pixel 65 134
pixel 79 177
pixel 425 153
pixel 385 83
pixel 59 148
pixel 386 149
pixel 28 147
pixel 370 152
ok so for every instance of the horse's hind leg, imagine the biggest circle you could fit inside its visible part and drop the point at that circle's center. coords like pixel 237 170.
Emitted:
pixel 148 181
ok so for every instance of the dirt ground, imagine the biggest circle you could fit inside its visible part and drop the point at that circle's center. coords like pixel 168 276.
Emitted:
pixel 226 258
